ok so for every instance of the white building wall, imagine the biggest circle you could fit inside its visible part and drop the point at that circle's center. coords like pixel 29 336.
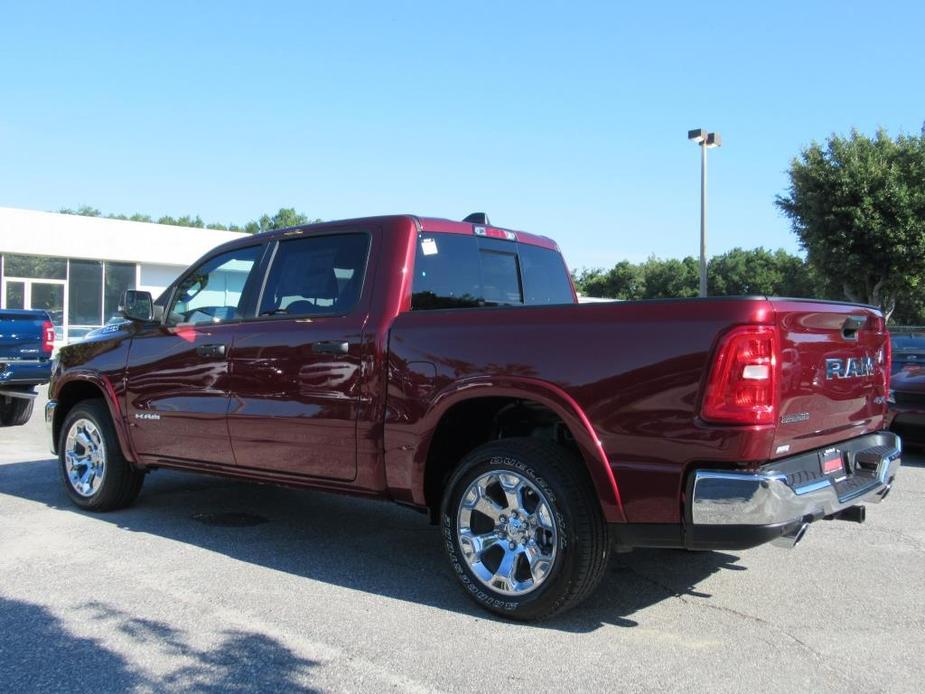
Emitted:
pixel 155 278
pixel 30 232
pixel 158 252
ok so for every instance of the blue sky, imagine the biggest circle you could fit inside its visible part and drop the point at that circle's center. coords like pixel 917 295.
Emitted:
pixel 567 119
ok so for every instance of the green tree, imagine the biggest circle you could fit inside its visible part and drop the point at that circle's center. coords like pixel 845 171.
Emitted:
pixel 759 271
pixel 83 211
pixel 285 217
pixel 857 204
pixel 737 272
pixel 184 221
pixel 623 281
pixel 671 278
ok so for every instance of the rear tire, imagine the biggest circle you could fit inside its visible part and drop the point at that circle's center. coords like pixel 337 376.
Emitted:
pixel 15 412
pixel 523 530
pixel 97 477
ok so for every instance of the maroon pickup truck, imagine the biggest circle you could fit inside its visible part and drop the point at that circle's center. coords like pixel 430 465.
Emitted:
pixel 447 366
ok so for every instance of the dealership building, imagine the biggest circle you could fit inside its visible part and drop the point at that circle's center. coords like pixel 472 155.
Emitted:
pixel 76 268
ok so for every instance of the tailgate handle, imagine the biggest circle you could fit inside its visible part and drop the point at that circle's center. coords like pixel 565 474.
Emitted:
pixel 849 329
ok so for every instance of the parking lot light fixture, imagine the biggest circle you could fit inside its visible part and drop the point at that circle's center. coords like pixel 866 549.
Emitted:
pixel 706 141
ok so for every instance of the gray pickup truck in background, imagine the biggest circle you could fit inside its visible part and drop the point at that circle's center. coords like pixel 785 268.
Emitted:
pixel 26 344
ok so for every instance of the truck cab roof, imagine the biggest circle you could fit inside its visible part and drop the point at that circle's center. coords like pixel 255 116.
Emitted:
pixel 424 224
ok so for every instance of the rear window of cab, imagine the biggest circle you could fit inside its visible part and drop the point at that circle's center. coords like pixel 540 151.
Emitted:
pixel 457 271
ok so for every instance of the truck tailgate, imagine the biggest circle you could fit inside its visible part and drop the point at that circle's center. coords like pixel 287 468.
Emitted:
pixel 834 373
pixel 21 335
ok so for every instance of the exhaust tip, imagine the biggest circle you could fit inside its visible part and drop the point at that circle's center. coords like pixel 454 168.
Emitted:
pixel 790 539
pixel 886 491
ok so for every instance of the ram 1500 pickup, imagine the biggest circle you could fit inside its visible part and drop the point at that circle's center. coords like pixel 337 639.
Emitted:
pixel 447 366
pixel 27 340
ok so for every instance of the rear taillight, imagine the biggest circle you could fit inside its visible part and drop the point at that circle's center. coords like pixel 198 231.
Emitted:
pixel 48 337
pixel 743 381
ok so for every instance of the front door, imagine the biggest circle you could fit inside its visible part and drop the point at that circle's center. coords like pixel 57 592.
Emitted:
pixel 177 376
pixel 298 368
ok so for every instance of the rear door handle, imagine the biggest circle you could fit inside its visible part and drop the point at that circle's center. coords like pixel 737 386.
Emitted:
pixel 331 347
pixel 211 351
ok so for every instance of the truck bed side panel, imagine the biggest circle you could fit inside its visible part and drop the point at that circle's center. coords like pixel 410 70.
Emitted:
pixel 635 369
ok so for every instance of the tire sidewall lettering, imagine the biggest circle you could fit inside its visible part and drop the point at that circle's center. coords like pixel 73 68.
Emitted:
pixel 476 589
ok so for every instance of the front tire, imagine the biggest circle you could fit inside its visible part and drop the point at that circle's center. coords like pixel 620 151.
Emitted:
pixel 523 529
pixel 97 477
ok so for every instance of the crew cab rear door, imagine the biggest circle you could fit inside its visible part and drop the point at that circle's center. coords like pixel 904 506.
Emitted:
pixel 299 368
pixel 177 389
pixel 833 373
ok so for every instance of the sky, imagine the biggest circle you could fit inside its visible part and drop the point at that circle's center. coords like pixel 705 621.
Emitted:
pixel 567 119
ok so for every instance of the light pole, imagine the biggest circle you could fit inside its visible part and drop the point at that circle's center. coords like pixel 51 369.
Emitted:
pixel 706 141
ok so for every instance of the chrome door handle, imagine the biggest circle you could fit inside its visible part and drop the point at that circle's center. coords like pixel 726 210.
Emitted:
pixel 211 351
pixel 331 347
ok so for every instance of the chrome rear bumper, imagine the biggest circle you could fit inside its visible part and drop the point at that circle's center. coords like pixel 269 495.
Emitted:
pixel 779 497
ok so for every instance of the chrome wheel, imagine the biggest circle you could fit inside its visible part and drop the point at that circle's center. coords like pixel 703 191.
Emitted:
pixel 507 532
pixel 84 457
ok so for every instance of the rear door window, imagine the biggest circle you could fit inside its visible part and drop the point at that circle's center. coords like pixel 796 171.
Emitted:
pixel 316 275
pixel 456 271
pixel 446 272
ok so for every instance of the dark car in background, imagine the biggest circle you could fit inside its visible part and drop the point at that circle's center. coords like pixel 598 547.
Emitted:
pixel 907 385
pixel 908 345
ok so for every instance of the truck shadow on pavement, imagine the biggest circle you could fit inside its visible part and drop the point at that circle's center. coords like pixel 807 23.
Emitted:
pixel 41 654
pixel 376 547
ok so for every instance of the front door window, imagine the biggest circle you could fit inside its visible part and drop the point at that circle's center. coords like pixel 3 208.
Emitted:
pixel 213 292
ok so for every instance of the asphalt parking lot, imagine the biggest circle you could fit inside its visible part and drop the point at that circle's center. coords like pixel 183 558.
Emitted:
pixel 337 594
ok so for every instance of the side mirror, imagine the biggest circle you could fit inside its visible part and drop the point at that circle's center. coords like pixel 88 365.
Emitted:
pixel 137 305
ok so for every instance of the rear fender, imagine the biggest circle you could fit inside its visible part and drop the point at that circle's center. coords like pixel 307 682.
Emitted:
pixel 546 394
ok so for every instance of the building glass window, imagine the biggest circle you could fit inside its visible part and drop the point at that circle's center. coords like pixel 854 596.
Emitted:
pixel 85 293
pixel 15 294
pixel 35 266
pixel 119 277
pixel 77 294
pixel 49 297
